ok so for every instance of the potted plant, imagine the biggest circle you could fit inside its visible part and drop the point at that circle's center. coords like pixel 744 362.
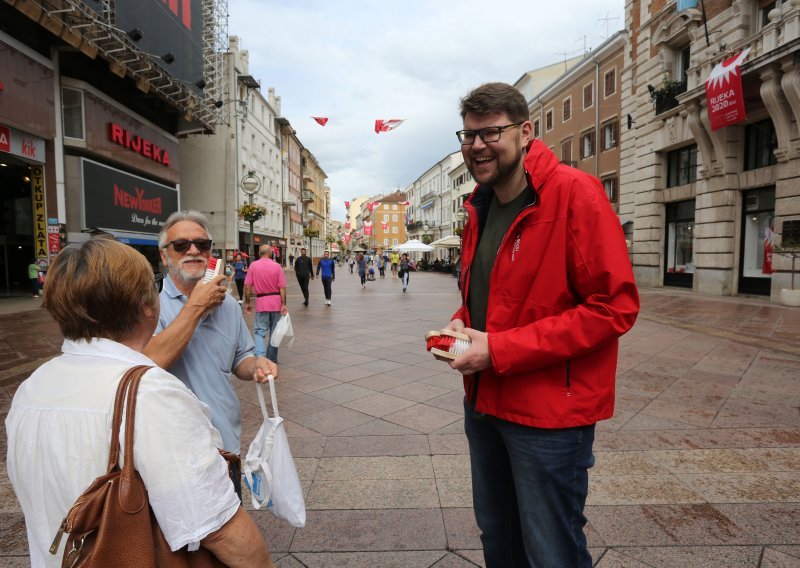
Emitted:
pixel 251 212
pixel 790 249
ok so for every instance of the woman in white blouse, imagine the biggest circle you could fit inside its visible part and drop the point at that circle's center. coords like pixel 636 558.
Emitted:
pixel 103 297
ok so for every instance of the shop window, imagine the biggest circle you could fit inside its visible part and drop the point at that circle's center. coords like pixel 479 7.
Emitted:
pixel 548 120
pixel 760 142
pixel 588 95
pixel 679 243
pixel 610 134
pixel 758 213
pixel 73 116
pixel 587 144
pixel 610 82
pixel 536 131
pixel 611 185
pixel 566 109
pixel 682 166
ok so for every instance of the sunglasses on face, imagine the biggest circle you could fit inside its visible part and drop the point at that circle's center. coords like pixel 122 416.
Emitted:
pixel 182 245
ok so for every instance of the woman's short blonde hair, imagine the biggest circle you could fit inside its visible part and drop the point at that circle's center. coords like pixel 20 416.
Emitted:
pixel 98 289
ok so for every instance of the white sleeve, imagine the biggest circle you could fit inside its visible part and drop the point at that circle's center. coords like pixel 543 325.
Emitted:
pixel 175 453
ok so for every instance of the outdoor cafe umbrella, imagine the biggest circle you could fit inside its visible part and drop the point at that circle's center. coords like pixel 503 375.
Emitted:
pixel 359 249
pixel 447 242
pixel 414 245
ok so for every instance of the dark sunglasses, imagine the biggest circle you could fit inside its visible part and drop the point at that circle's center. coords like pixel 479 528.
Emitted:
pixel 158 280
pixel 182 245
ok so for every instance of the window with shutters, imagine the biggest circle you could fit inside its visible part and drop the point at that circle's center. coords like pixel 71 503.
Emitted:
pixel 610 82
pixel 588 95
pixel 536 128
pixel 587 144
pixel 548 120
pixel 610 134
pixel 566 109
pixel 566 151
pixel 611 185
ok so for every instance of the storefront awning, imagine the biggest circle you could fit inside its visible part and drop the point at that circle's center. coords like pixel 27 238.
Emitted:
pixel 132 238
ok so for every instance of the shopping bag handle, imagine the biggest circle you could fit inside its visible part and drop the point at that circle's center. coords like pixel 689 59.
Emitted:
pixel 262 402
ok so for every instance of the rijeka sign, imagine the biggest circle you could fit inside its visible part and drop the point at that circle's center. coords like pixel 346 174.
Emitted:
pixel 724 92
pixel 121 136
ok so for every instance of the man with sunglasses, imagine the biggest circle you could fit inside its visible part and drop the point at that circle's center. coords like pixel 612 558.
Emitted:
pixel 547 290
pixel 201 336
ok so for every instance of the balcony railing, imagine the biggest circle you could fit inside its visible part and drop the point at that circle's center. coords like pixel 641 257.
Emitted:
pixel 307 196
pixel 664 98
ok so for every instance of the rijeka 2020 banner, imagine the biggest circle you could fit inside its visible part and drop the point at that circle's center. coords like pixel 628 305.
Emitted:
pixel 724 92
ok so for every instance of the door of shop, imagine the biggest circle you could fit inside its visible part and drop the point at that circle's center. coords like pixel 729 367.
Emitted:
pixel 679 244
pixel 758 213
pixel 16 226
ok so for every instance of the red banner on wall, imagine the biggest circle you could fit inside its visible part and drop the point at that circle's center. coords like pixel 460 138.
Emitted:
pixel 367 228
pixel 724 92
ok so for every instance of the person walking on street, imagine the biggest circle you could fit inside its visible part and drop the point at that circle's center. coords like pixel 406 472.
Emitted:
pixel 239 274
pixel 395 260
pixel 405 268
pixel 304 270
pixel 362 269
pixel 547 291
pixel 33 275
pixel 326 269
pixel 201 336
pixel 291 261
pixel 266 280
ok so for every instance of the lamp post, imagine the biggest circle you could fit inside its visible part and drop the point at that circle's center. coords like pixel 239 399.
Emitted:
pixel 250 184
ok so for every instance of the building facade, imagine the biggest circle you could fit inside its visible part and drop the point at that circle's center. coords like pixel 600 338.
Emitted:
pixel 430 210
pixel 315 211
pixel 708 204
pixel 578 115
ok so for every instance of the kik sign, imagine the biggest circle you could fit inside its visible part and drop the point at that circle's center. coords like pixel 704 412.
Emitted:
pixel 20 144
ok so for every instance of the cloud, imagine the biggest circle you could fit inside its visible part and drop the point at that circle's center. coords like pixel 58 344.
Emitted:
pixel 357 61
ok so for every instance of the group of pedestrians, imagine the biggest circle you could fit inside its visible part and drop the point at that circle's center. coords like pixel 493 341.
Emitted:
pixel 538 375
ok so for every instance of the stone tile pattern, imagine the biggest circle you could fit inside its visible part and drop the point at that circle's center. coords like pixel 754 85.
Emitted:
pixel 700 465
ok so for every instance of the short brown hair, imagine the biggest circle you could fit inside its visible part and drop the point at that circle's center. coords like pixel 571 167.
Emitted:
pixel 492 98
pixel 98 289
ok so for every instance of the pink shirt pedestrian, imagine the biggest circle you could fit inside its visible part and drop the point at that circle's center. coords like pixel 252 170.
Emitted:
pixel 266 277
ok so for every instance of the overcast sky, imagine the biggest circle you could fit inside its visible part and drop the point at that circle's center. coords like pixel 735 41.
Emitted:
pixel 358 61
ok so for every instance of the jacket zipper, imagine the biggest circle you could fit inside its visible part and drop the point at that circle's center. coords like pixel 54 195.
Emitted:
pixel 569 380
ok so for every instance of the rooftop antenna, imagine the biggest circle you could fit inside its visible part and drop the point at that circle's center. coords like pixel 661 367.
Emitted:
pixel 607 21
pixel 585 48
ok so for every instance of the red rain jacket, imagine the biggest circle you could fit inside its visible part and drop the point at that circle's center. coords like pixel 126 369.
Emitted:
pixel 561 294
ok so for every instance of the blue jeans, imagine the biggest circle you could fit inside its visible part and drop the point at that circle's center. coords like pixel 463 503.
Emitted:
pixel 263 325
pixel 529 488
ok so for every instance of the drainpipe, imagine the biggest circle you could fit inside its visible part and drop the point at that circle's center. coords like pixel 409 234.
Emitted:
pixel 597 117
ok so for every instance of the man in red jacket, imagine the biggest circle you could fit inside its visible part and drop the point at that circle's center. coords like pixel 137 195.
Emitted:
pixel 547 290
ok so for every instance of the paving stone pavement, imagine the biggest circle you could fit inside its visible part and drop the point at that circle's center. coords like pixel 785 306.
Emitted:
pixel 700 465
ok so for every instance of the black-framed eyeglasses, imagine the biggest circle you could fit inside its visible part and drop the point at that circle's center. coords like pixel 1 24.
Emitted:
pixel 158 281
pixel 182 245
pixel 488 134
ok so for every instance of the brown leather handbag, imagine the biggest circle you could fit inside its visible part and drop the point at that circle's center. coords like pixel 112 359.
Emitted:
pixel 111 523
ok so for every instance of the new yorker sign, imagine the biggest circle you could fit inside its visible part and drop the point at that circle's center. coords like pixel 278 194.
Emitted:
pixel 113 199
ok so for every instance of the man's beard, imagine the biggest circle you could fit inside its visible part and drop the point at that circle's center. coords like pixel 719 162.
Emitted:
pixel 177 272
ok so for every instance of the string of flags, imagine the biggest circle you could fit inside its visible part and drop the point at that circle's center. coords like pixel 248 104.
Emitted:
pixel 381 125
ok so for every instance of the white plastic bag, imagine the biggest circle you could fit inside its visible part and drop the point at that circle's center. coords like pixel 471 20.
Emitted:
pixel 269 470
pixel 282 335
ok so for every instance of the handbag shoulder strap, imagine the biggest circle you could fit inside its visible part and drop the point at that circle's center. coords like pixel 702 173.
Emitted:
pixel 132 493
pixel 119 405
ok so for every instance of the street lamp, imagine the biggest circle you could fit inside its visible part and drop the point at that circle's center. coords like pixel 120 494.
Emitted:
pixel 250 184
pixel 461 214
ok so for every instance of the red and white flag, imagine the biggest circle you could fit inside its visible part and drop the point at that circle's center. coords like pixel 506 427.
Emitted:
pixel 321 120
pixel 367 228
pixel 347 205
pixel 347 225
pixel 387 125
pixel 347 237
pixel 404 203
pixel 724 92
pixel 385 226
pixel 370 206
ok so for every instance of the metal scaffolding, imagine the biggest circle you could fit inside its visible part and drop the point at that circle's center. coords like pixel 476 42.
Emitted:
pixel 95 34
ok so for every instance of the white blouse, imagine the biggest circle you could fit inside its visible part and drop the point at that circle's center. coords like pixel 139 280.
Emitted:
pixel 59 430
